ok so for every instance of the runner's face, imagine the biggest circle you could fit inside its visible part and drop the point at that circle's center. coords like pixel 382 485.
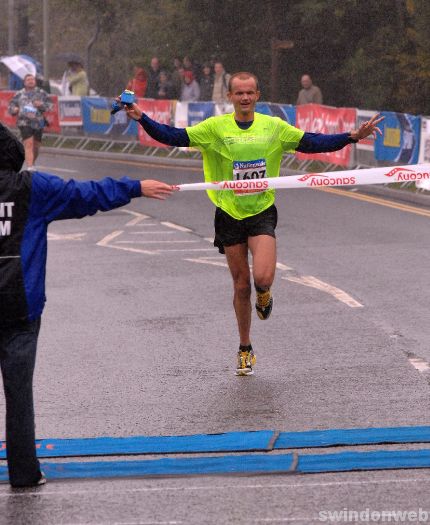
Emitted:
pixel 244 96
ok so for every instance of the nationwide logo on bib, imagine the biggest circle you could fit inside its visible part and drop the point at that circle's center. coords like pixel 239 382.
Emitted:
pixel 318 179
pixel 247 171
pixel 406 174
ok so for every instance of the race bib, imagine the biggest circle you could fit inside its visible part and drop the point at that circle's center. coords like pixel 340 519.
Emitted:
pixel 250 172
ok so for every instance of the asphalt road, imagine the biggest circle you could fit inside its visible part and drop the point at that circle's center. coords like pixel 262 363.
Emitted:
pixel 139 338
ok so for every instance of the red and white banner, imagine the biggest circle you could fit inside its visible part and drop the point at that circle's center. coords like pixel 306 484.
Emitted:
pixel 51 115
pixel 158 110
pixel 5 117
pixel 315 118
pixel 386 175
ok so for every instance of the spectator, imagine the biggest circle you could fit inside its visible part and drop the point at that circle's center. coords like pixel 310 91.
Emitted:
pixel 220 89
pixel 165 87
pixel 190 89
pixel 138 83
pixel 33 201
pixel 206 83
pixel 77 80
pixel 190 65
pixel 177 77
pixel 153 78
pixel 309 94
pixel 29 105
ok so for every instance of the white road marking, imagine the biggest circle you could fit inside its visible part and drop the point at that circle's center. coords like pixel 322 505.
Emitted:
pixel 205 261
pixel 105 242
pixel 11 257
pixel 176 226
pixel 39 168
pixel 138 217
pixel 65 236
pixel 420 364
pixel 155 242
pixel 281 266
pixel 337 293
pixel 151 232
pixel 187 488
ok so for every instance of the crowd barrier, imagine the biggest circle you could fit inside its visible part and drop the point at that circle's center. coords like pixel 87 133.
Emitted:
pixel 405 138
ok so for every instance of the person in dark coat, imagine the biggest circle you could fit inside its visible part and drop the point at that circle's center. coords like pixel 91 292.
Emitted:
pixel 29 201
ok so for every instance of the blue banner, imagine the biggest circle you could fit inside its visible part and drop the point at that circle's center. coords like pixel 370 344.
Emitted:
pixel 286 112
pixel 400 140
pixel 198 111
pixel 97 118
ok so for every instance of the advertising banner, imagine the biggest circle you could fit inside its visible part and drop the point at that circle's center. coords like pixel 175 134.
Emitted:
pixel 98 120
pixel 70 111
pixel 181 115
pixel 400 138
pixel 51 116
pixel 286 112
pixel 325 119
pixel 424 155
pixel 5 118
pixel 198 111
pixel 158 110
pixel 365 149
pixel 222 109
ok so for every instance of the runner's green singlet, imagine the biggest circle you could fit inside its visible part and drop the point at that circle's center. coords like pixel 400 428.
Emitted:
pixel 231 153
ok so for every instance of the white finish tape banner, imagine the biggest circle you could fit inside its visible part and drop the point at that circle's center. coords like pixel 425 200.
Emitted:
pixel 412 173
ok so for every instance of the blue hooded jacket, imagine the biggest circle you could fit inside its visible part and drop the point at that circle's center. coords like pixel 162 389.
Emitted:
pixel 28 203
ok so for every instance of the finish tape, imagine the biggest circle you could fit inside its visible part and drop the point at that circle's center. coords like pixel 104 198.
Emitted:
pixel 419 173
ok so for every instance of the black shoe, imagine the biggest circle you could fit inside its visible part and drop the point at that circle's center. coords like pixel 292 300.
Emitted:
pixel 39 482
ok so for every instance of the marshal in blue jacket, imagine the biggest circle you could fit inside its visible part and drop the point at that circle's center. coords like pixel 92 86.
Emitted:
pixel 28 203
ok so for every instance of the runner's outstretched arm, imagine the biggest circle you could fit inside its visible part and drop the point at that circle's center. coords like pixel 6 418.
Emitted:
pixel 162 132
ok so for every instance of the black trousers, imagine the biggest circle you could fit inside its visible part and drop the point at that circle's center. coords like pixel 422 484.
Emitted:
pixel 18 344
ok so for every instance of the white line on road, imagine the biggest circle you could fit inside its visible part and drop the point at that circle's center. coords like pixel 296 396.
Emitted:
pixel 188 488
pixel 337 293
pixel 66 236
pixel 156 242
pixel 11 257
pixel 205 261
pixel 281 266
pixel 65 170
pixel 138 217
pixel 176 226
pixel 106 240
pixel 151 232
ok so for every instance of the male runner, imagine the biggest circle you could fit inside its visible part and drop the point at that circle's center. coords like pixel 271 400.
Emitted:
pixel 244 145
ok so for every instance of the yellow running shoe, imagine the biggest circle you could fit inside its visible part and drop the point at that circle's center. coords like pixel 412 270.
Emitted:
pixel 264 304
pixel 246 359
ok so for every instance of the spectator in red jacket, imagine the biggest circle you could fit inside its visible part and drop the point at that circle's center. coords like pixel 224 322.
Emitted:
pixel 138 83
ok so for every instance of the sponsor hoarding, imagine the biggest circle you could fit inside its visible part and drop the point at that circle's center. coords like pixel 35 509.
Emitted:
pixel 315 118
pixel 400 138
pixel 158 110
pixel 70 111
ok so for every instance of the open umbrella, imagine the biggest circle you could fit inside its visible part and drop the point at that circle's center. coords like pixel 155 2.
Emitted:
pixel 19 65
pixel 70 57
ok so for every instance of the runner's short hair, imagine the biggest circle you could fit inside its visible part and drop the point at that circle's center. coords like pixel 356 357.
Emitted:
pixel 243 75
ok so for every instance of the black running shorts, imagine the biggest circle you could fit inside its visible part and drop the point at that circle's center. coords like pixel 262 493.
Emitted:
pixel 230 231
pixel 27 132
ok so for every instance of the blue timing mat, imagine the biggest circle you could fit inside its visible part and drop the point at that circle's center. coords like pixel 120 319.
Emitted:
pixel 353 436
pixel 263 440
pixel 107 446
pixel 238 464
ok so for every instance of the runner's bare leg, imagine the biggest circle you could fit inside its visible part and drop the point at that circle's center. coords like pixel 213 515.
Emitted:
pixel 29 150
pixel 237 259
pixel 263 249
